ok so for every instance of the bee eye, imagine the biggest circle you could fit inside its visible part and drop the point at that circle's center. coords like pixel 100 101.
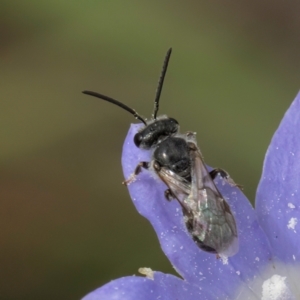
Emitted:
pixel 138 139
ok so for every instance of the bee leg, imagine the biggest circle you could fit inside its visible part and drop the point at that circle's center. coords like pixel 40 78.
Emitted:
pixel 169 195
pixel 137 171
pixel 215 172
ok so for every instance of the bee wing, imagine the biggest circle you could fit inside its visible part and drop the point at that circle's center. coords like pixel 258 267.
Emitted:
pixel 201 178
pixel 212 224
pixel 179 187
pixel 208 217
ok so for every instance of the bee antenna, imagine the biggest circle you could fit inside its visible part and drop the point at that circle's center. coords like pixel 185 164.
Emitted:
pixel 160 83
pixel 116 102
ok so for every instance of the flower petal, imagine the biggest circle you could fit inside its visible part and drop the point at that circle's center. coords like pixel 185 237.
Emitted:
pixel 163 286
pixel 196 266
pixel 278 194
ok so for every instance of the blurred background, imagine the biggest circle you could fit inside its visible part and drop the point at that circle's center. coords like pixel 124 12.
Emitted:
pixel 67 224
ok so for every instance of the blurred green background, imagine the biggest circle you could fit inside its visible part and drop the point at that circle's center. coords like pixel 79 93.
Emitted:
pixel 67 224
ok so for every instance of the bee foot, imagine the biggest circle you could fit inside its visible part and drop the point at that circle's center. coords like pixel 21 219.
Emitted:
pixel 131 179
pixel 168 195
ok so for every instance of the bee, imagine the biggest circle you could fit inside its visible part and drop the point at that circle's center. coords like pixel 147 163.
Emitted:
pixel 178 162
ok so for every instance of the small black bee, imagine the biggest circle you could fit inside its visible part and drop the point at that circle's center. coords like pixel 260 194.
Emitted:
pixel 177 160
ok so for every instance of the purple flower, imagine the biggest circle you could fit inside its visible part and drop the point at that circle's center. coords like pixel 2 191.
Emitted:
pixel 267 265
